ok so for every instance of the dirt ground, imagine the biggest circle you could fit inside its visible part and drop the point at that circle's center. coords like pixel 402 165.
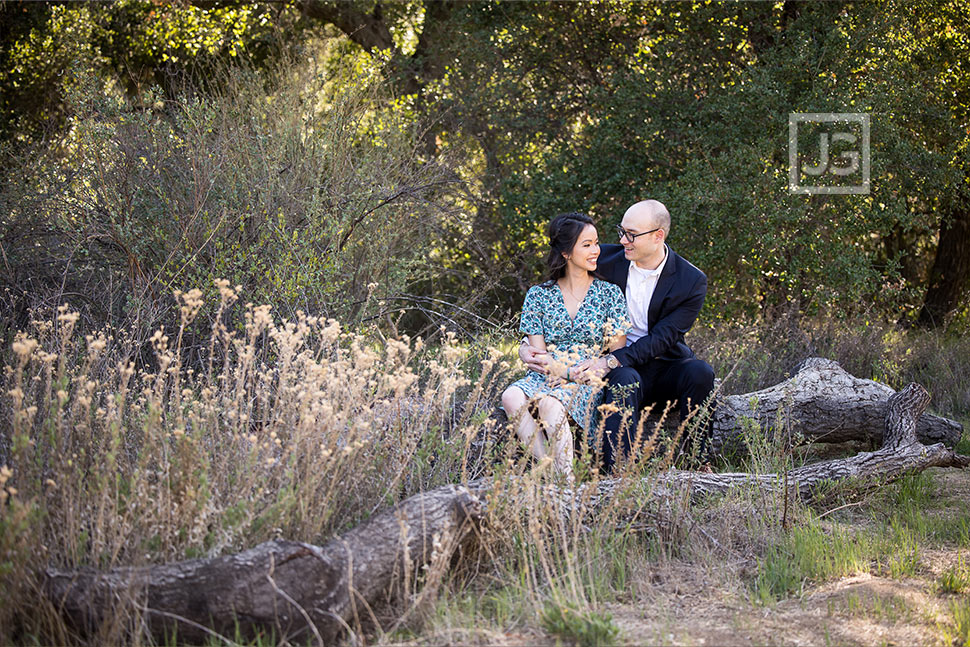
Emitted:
pixel 861 610
pixel 685 608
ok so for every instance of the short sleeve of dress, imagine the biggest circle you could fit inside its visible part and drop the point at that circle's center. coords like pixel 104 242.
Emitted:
pixel 531 323
pixel 617 315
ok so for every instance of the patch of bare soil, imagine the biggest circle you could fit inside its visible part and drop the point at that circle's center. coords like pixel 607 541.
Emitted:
pixel 862 610
pixel 690 605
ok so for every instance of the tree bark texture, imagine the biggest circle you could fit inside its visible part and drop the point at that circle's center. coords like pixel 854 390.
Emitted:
pixel 298 591
pixel 821 403
pixel 304 592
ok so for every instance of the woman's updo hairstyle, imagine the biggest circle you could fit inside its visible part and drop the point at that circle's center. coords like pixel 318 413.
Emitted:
pixel 563 231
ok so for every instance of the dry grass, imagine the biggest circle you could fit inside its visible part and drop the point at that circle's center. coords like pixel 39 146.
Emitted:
pixel 295 428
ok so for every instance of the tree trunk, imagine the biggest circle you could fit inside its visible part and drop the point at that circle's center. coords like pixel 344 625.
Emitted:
pixel 950 276
pixel 303 592
pixel 901 453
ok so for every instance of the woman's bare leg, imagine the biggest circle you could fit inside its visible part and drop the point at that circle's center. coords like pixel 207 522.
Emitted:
pixel 526 428
pixel 553 415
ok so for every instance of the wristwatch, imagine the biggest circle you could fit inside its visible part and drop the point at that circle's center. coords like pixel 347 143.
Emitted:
pixel 612 362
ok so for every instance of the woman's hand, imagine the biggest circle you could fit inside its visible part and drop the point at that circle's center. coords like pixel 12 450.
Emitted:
pixel 589 370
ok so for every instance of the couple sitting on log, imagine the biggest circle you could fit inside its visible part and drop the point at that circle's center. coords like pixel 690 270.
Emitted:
pixel 610 316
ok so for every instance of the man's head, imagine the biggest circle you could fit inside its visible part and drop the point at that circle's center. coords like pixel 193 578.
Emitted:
pixel 645 226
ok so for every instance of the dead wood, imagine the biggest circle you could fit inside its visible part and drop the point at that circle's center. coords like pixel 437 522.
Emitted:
pixel 298 591
pixel 822 402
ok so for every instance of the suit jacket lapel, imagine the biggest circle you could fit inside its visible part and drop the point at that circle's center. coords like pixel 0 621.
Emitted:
pixel 664 283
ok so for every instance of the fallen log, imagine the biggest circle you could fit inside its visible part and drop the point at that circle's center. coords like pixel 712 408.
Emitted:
pixel 822 402
pixel 296 590
pixel 902 453
pixel 303 592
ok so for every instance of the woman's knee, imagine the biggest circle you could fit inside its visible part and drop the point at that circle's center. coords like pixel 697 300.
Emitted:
pixel 513 399
pixel 550 407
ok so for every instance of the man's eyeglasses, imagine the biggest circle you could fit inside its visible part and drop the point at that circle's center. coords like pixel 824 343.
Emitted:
pixel 623 233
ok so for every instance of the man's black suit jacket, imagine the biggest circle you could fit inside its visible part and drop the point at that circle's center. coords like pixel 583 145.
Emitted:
pixel 674 307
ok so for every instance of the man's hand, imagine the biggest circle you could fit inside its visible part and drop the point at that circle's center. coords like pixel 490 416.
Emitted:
pixel 534 358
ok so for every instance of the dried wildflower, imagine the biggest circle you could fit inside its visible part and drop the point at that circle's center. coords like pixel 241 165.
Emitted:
pixel 258 318
pixel 17 395
pixel 226 294
pixel 191 304
pixel 23 347
pixel 95 344
pixel 67 318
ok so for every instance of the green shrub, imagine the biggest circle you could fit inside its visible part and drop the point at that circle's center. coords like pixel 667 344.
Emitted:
pixel 307 198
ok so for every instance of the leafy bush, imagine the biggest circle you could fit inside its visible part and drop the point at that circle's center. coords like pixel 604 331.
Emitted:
pixel 305 197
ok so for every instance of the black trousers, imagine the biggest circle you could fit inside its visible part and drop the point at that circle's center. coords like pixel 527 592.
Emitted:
pixel 635 390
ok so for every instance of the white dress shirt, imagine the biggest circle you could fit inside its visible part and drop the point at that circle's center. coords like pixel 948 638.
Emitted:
pixel 640 284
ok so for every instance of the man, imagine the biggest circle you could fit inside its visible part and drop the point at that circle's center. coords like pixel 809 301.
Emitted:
pixel 664 294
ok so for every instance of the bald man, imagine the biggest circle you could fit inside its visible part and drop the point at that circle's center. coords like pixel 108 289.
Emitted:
pixel 664 294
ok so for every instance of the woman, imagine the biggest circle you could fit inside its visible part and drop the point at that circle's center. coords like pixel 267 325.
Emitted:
pixel 575 317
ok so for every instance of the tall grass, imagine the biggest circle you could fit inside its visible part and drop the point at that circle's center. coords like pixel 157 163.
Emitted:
pixel 295 428
pixel 114 455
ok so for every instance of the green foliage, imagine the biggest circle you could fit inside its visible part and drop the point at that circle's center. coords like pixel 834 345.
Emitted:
pixel 586 629
pixel 320 208
pixel 548 107
pixel 713 147
pixel 132 43
pixel 955 579
pixel 959 633
pixel 808 552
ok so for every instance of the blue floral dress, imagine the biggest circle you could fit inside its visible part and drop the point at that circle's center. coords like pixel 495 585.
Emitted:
pixel 602 316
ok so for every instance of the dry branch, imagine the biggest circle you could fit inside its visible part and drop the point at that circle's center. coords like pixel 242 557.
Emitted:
pixel 296 590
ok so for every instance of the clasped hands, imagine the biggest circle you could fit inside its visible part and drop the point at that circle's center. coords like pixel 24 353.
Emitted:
pixel 585 372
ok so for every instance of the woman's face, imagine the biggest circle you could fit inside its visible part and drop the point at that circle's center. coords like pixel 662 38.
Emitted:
pixel 586 250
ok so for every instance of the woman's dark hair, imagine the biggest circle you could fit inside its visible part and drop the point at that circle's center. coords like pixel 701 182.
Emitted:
pixel 563 231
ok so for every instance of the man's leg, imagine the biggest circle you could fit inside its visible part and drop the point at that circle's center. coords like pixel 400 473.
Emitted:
pixel 623 390
pixel 688 382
